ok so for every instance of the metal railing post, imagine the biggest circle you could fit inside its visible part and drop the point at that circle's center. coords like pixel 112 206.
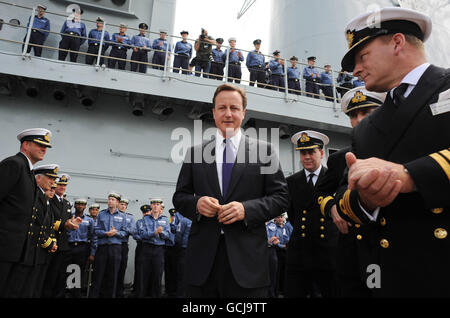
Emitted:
pixel 100 49
pixel 166 60
pixel 226 65
pixel 334 94
pixel 27 40
pixel 285 81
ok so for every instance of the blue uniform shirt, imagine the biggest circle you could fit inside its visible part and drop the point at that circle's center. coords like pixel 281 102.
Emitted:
pixel 255 59
pixel 75 27
pixel 105 222
pixel 42 24
pixel 293 73
pixel 131 226
pixel 120 45
pixel 218 56
pixel 138 226
pixel 357 82
pixel 277 231
pixel 147 232
pixel 140 41
pixel 97 35
pixel 309 73
pixel 325 78
pixel 180 227
pixel 183 48
pixel 163 47
pixel 234 58
pixel 276 68
pixel 84 233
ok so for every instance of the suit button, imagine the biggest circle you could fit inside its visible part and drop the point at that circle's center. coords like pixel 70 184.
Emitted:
pixel 303 227
pixel 359 237
pixel 304 211
pixel 322 220
pixel 322 236
pixel 437 210
pixel 383 222
pixel 322 228
pixel 440 233
pixel 357 225
pixel 384 243
pixel 303 235
pixel 303 219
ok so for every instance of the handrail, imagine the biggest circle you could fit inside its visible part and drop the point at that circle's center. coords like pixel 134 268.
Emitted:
pixel 166 66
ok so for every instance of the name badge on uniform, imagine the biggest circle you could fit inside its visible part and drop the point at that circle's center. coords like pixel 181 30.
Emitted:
pixel 162 222
pixel 118 218
pixel 85 222
pixel 272 227
pixel 442 105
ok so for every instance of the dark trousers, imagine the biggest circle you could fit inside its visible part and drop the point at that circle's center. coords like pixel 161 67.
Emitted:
pixel 221 282
pixel 38 38
pixel 204 66
pixel 119 53
pixel 25 281
pixel 159 58
pixel 170 270
pixel 234 72
pixel 122 270
pixel 294 86
pixel 181 62
pixel 181 265
pixel 273 268
pixel 152 267
pixel 55 278
pixel 277 81
pixel 5 273
pixel 281 254
pixel 69 43
pixel 257 74
pixel 344 88
pixel 78 254
pixel 141 56
pixel 328 92
pixel 106 269
pixel 312 87
pixel 93 49
pixel 137 267
pixel 216 71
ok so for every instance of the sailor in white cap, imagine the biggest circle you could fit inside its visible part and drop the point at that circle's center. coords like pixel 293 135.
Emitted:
pixel 312 246
pixel 119 48
pixel 234 61
pixel 399 167
pixel 40 30
pixel 160 47
pixel 94 38
pixel 30 274
pixel 357 103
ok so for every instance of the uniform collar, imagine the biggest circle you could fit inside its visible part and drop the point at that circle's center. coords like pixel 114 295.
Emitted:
pixel 29 161
pixel 317 172
pixel 412 78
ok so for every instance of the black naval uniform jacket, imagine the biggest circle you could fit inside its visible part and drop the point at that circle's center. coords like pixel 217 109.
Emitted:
pixel 61 212
pixel 313 242
pixel 40 234
pixel 412 232
pixel 17 190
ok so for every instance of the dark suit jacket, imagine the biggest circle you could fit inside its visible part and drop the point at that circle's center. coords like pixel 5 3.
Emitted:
pixel 17 189
pixel 61 212
pixel 306 248
pixel 264 197
pixel 413 260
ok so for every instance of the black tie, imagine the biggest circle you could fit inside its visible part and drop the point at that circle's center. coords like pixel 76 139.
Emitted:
pixel 399 93
pixel 310 181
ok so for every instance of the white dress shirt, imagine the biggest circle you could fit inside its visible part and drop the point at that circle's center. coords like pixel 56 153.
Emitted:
pixel 220 147
pixel 316 175
pixel 412 78
pixel 29 162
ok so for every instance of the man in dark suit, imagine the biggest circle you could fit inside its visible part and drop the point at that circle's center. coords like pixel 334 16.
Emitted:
pixel 353 253
pixel 311 253
pixel 399 171
pixel 229 193
pixel 17 191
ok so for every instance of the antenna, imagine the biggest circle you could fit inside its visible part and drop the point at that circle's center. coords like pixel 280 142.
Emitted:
pixel 245 6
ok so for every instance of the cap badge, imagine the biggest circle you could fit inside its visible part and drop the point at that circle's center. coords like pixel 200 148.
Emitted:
pixel 359 97
pixel 305 138
pixel 47 137
pixel 350 38
pixel 55 171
